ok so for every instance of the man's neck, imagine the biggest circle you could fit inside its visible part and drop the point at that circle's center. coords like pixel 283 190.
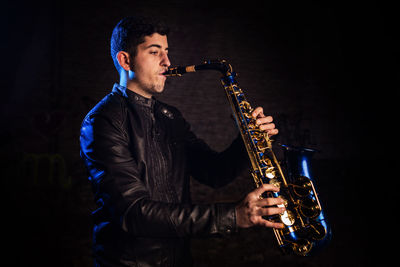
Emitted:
pixel 128 80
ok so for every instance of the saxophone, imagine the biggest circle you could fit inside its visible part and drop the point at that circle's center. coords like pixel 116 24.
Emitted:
pixel 306 228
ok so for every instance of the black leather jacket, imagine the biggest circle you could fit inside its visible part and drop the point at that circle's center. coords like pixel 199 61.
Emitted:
pixel 140 154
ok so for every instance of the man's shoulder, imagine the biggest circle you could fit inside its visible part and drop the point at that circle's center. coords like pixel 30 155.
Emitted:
pixel 112 106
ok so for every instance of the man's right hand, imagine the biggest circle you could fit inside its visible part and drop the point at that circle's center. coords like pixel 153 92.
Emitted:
pixel 249 212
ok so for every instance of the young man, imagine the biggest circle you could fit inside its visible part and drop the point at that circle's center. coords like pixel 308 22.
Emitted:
pixel 140 154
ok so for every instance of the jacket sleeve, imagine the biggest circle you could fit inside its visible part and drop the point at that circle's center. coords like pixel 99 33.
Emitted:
pixel 124 199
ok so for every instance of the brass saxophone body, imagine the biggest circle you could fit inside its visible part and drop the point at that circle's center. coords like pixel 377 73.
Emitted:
pixel 306 227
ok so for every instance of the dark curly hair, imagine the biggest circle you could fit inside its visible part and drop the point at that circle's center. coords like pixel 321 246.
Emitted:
pixel 130 32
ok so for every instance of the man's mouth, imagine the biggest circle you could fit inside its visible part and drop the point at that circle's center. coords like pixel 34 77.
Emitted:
pixel 163 72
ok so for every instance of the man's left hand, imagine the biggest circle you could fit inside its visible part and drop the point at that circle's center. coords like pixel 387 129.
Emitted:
pixel 264 122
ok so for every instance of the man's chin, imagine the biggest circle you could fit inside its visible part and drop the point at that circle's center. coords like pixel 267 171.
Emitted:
pixel 159 89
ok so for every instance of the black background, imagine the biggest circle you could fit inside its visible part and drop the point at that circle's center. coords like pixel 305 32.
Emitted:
pixel 324 71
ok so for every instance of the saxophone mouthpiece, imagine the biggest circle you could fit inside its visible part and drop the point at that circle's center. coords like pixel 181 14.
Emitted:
pixel 179 71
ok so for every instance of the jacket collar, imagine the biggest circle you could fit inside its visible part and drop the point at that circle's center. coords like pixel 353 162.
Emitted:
pixel 133 97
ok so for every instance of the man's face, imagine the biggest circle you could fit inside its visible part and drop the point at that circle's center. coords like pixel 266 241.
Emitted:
pixel 149 64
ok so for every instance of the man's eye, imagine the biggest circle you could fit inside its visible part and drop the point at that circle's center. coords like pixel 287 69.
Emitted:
pixel 153 52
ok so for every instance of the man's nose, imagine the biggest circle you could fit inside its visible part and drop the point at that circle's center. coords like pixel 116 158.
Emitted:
pixel 165 60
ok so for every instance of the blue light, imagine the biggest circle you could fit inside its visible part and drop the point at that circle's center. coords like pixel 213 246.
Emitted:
pixel 324 224
pixel 231 80
pixel 304 165
pixel 293 236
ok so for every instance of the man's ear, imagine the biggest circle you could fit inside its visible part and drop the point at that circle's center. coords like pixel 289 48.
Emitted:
pixel 124 60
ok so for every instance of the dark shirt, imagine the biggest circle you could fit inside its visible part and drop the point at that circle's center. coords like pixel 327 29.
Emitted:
pixel 140 154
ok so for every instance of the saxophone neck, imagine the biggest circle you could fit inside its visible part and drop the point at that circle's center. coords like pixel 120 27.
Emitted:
pixel 217 64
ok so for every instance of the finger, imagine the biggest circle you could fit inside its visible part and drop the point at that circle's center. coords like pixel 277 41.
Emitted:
pixel 264 187
pixel 258 112
pixel 270 224
pixel 264 120
pixel 267 127
pixel 267 223
pixel 273 132
pixel 271 201
pixel 270 211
